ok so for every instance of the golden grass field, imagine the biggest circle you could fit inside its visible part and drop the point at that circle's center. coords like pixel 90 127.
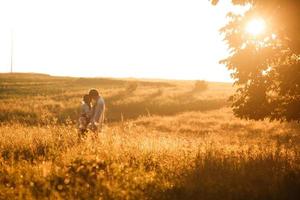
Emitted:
pixel 161 140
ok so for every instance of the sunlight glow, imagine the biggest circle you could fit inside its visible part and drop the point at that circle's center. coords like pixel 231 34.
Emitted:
pixel 256 27
pixel 133 38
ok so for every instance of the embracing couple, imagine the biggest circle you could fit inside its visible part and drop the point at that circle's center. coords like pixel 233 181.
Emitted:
pixel 92 112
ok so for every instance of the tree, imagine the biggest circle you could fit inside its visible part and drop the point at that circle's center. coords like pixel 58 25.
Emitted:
pixel 265 67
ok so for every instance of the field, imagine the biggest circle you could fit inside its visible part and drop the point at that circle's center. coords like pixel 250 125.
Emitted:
pixel 161 140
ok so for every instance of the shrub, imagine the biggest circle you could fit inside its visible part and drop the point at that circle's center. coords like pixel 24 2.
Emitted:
pixel 200 86
pixel 131 87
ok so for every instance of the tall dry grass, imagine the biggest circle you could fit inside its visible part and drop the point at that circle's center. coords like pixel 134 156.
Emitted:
pixel 187 154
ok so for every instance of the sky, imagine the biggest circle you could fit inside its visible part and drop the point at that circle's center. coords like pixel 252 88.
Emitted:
pixel 169 39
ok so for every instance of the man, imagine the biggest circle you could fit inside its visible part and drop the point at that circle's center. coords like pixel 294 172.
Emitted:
pixel 98 109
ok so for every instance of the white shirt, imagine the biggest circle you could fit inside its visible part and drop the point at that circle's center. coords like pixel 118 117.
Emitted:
pixel 86 110
pixel 98 110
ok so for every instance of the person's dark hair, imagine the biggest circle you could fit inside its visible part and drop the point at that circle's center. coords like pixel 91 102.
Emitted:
pixel 93 93
pixel 86 98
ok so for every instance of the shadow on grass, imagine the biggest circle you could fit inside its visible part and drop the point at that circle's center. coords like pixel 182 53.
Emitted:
pixel 24 117
pixel 269 177
pixel 151 105
pixel 118 110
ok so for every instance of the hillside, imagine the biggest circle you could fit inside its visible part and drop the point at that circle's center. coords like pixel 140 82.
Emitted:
pixel 58 98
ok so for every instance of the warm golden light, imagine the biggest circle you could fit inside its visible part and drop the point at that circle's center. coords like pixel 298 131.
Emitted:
pixel 129 46
pixel 256 27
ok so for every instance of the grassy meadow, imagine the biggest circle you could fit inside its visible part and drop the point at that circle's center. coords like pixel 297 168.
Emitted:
pixel 161 140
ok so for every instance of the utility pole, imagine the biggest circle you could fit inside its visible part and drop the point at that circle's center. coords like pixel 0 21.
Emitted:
pixel 11 51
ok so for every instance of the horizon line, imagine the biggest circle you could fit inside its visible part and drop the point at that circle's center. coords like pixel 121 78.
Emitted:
pixel 116 77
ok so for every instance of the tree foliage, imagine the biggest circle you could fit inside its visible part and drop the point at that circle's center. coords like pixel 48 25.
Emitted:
pixel 265 67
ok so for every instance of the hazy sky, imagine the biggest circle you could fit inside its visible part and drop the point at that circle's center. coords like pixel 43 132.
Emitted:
pixel 173 39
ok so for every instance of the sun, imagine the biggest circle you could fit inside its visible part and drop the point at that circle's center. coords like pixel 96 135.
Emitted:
pixel 256 26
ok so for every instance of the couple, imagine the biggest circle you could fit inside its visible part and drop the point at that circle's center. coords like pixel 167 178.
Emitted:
pixel 92 112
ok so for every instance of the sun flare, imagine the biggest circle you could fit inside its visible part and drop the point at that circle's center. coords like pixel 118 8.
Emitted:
pixel 256 27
